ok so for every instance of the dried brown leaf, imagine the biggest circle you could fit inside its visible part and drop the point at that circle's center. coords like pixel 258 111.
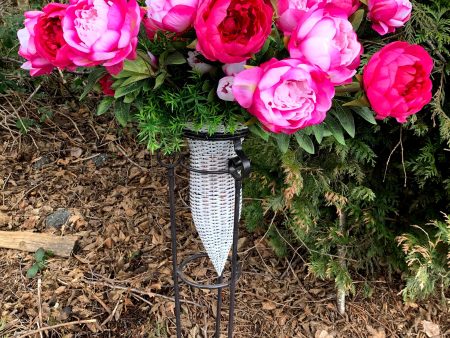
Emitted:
pixel 431 329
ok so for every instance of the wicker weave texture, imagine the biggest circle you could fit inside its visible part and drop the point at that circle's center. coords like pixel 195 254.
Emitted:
pixel 212 198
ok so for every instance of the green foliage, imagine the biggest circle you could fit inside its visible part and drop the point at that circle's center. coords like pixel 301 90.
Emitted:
pixel 40 263
pixel 428 258
pixel 380 177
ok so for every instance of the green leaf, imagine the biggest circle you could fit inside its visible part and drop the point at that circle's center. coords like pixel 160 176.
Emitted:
pixel 129 98
pixel 104 105
pixel 32 272
pixel 346 119
pixel 92 79
pixel 135 78
pixel 365 113
pixel 134 68
pixel 335 128
pixel 122 91
pixel 357 18
pixel 160 79
pixel 282 141
pixel 122 112
pixel 305 142
pixel 24 124
pixel 318 131
pixel 39 255
pixel 175 59
pixel 258 131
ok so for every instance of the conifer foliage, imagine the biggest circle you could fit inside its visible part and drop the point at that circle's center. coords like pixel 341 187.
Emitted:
pixel 373 201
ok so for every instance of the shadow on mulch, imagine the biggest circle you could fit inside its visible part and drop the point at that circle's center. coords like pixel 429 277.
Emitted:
pixel 115 197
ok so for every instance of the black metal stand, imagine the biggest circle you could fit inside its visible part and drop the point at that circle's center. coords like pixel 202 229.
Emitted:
pixel 238 168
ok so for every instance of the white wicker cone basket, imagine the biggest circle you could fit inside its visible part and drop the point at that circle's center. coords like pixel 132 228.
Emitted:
pixel 212 198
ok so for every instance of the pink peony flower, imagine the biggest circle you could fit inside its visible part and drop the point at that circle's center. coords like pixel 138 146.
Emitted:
pixel 149 27
pixel 197 65
pixel 224 89
pixel 232 30
pixel 387 15
pixel 285 95
pixel 233 68
pixel 105 83
pixel 42 42
pixel 102 32
pixel 326 38
pixel 290 11
pixel 397 80
pixel 171 15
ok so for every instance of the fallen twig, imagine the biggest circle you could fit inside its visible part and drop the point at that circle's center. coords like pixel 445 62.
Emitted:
pixel 140 292
pixel 47 328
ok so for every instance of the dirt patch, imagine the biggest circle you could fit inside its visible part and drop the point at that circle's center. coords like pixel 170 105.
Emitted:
pixel 115 196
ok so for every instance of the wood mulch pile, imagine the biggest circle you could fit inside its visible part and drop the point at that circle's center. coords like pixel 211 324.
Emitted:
pixel 111 193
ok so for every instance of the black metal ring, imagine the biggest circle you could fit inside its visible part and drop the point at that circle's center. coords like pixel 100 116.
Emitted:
pixel 205 136
pixel 185 279
pixel 205 172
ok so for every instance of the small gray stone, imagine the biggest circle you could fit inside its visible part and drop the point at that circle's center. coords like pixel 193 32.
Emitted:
pixel 100 160
pixel 41 162
pixel 58 218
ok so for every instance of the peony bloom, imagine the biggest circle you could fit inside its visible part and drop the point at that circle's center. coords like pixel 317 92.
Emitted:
pixel 233 68
pixel 42 42
pixel 102 32
pixel 397 80
pixel 290 11
pixel 232 30
pixel 105 83
pixel 149 27
pixel 197 65
pixel 348 6
pixel 387 15
pixel 171 15
pixel 224 89
pixel 285 95
pixel 326 38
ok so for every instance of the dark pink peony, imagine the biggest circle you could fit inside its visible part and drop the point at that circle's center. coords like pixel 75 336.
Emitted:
pixel 387 15
pixel 232 30
pixel 285 95
pixel 105 83
pixel 326 38
pixel 397 80
pixel 42 42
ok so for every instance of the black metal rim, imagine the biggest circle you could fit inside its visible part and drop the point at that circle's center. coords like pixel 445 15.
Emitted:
pixel 185 278
pixel 201 135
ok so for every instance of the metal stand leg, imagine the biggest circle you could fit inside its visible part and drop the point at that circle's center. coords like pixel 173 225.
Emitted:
pixel 219 306
pixel 234 263
pixel 173 229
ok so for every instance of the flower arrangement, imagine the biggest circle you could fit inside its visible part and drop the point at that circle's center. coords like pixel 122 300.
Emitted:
pixel 286 67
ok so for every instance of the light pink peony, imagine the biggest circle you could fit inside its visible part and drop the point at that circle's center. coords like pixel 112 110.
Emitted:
pixel 290 11
pixel 387 15
pixel 41 41
pixel 102 32
pixel 232 30
pixel 224 89
pixel 285 95
pixel 233 68
pixel 397 80
pixel 171 15
pixel 326 38
pixel 197 65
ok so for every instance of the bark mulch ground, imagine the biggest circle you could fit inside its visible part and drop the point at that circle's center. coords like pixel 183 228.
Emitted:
pixel 110 192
